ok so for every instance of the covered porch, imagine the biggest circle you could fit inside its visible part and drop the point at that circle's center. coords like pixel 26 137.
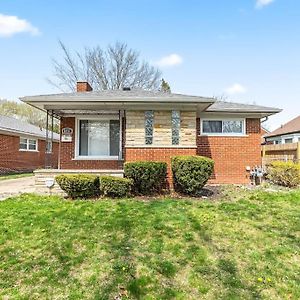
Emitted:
pixel 91 142
pixel 87 137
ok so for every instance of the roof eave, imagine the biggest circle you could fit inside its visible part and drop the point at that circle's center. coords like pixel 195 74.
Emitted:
pixel 262 113
pixel 8 131
pixel 283 133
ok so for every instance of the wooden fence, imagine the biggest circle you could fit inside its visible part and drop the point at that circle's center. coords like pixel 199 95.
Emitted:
pixel 281 152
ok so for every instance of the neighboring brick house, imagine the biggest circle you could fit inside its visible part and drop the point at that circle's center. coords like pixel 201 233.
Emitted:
pixel 102 129
pixel 285 134
pixel 22 146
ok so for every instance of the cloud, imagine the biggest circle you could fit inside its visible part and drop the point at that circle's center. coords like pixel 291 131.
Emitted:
pixel 170 60
pixel 236 88
pixel 10 25
pixel 262 3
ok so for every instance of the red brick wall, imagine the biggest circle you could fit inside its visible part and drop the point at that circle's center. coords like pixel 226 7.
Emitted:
pixel 157 154
pixel 13 160
pixel 67 154
pixel 232 154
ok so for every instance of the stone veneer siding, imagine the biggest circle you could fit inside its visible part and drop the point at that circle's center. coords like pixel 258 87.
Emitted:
pixel 162 129
pixel 162 148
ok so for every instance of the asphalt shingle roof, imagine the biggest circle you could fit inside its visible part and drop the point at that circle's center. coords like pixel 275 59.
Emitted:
pixel 290 127
pixel 143 95
pixel 117 95
pixel 10 124
pixel 222 106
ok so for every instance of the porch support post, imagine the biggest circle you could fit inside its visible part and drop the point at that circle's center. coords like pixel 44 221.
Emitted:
pixel 46 140
pixel 51 153
pixel 121 136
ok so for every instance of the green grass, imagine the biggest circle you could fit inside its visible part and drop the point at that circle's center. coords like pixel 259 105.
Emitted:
pixel 162 249
pixel 14 176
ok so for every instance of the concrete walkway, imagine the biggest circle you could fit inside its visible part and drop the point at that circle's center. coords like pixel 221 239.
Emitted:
pixel 14 187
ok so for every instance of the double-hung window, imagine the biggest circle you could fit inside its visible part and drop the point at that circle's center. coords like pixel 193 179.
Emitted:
pixel 28 144
pixel 98 138
pixel 223 127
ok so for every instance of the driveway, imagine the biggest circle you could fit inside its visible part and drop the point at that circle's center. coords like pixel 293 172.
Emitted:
pixel 13 187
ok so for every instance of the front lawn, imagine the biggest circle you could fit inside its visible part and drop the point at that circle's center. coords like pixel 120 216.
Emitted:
pixel 15 176
pixel 162 249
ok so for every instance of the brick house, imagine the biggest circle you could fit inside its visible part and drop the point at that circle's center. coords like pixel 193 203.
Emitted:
pixel 286 134
pixel 22 146
pixel 100 130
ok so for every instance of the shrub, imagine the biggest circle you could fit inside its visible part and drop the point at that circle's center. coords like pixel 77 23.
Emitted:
pixel 115 187
pixel 148 177
pixel 79 185
pixel 190 173
pixel 284 173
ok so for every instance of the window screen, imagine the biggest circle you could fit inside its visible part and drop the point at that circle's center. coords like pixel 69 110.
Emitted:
pixel 212 126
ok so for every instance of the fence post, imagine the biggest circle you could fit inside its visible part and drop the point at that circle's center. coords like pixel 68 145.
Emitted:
pixel 263 151
pixel 263 154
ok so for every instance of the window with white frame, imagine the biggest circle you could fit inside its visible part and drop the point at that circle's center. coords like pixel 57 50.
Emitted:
pixel 98 138
pixel 149 121
pixel 27 144
pixel 223 127
pixel 288 141
pixel 175 127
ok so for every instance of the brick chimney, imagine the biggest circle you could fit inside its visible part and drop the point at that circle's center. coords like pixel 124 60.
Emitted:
pixel 83 86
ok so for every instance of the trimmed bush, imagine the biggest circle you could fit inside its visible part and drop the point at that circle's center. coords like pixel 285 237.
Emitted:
pixel 148 177
pixel 284 173
pixel 115 187
pixel 190 173
pixel 79 185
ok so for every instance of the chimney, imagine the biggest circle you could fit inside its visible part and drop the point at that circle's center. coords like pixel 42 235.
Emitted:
pixel 83 86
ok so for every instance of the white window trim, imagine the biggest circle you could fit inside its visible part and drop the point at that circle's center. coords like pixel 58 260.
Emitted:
pixel 77 127
pixel 29 150
pixel 243 134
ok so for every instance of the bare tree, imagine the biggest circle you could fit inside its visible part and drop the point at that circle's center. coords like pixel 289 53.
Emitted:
pixel 113 68
pixel 223 97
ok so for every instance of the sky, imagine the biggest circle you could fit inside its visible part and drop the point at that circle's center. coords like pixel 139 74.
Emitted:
pixel 245 51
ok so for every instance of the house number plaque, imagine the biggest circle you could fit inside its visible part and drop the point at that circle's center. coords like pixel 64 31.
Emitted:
pixel 66 134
